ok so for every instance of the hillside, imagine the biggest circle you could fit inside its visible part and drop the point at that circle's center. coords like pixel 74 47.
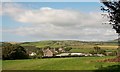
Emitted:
pixel 58 43
pixel 116 40
pixel 52 43
pixel 76 46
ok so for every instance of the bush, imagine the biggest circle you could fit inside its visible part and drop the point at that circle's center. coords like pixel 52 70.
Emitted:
pixel 68 48
pixel 11 51
pixel 98 50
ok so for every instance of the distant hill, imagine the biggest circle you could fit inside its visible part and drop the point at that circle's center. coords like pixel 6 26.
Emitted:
pixel 53 43
pixel 67 43
pixel 115 40
pixel 77 46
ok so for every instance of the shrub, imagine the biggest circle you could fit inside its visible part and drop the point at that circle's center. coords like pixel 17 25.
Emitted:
pixel 11 51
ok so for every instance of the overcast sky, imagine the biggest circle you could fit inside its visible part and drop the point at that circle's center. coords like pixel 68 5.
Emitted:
pixel 34 21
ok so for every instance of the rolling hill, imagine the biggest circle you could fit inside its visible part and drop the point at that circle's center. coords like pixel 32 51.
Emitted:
pixel 77 46
pixel 116 40
pixel 57 43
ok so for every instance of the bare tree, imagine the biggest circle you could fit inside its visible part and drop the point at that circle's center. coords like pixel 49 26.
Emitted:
pixel 113 13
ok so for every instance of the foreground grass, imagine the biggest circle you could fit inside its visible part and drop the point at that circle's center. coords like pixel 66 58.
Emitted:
pixel 0 65
pixel 78 63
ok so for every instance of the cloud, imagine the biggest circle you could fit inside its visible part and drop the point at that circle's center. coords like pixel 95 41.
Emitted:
pixel 12 9
pixel 0 8
pixel 7 0
pixel 50 23
pixel 58 17
pixel 47 15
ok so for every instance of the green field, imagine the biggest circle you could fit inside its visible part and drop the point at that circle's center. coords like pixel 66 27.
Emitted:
pixel 81 50
pixel 77 63
pixel 0 65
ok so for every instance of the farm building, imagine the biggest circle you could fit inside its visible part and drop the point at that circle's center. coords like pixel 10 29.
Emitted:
pixel 32 54
pixel 80 54
pixel 63 54
pixel 61 50
pixel 49 52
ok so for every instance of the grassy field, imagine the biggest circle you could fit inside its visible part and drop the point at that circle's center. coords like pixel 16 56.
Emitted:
pixel 0 65
pixel 77 63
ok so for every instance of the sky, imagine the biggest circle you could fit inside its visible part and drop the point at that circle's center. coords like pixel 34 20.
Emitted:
pixel 35 21
pixel 50 0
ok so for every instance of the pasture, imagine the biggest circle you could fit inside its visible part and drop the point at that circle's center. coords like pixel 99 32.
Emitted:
pixel 76 63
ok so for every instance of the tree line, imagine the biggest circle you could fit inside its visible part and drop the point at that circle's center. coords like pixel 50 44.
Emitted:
pixel 13 51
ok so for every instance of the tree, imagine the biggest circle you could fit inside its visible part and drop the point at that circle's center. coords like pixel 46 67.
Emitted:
pixel 68 49
pixel 39 53
pixel 98 50
pixel 10 51
pixel 113 10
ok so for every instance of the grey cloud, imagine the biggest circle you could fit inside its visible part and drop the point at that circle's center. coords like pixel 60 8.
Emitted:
pixel 49 23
